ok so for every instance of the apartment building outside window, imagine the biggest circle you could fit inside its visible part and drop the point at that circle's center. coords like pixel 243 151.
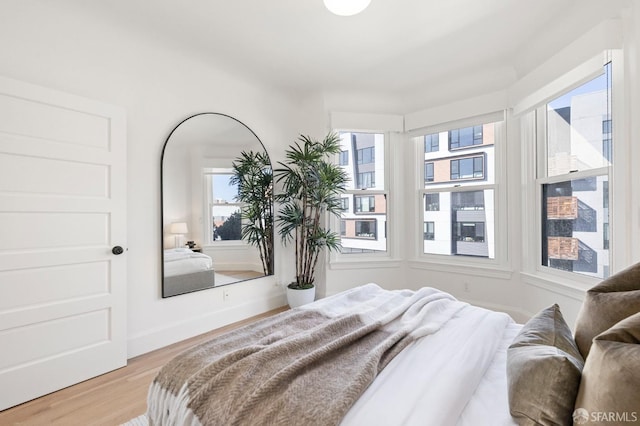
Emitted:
pixel 363 222
pixel 459 189
pixel 574 178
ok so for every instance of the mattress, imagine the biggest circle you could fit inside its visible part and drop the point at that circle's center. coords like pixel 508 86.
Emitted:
pixel 181 261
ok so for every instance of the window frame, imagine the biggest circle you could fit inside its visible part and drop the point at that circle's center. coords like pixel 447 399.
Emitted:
pixel 534 164
pixel 499 265
pixel 387 258
pixel 208 203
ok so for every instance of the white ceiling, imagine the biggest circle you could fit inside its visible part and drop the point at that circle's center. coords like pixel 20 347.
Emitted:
pixel 395 46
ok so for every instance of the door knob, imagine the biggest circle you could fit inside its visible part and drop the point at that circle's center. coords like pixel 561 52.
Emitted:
pixel 117 250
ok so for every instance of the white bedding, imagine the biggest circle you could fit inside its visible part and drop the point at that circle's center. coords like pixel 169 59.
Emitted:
pixel 455 376
pixel 181 261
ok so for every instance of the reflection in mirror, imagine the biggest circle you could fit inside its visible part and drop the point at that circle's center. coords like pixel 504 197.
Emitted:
pixel 217 206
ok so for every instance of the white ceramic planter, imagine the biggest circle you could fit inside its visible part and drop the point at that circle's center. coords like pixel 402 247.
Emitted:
pixel 297 298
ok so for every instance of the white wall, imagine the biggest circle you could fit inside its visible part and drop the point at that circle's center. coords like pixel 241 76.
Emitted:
pixel 46 44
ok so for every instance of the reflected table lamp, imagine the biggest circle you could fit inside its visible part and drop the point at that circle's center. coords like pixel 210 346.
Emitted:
pixel 179 229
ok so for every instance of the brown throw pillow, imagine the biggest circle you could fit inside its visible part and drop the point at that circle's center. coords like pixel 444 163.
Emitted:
pixel 610 387
pixel 543 371
pixel 606 304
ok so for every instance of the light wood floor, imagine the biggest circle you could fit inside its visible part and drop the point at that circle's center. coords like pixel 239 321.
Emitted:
pixel 110 399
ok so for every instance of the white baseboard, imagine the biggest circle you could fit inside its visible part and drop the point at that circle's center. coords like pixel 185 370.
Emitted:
pixel 161 337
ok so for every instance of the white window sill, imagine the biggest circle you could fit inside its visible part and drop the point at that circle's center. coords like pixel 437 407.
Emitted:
pixel 365 263
pixel 227 245
pixel 574 289
pixel 463 268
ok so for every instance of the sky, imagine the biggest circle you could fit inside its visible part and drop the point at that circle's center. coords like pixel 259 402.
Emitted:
pixel 222 190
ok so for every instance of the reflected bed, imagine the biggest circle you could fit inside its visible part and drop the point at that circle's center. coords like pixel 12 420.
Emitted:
pixel 186 271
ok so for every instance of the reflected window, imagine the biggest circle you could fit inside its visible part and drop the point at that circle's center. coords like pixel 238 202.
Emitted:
pixel 225 221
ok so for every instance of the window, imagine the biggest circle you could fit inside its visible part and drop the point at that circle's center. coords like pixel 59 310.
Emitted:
pixel 467 168
pixel 363 228
pixel 465 137
pixel 224 222
pixel 573 177
pixel 366 229
pixel 459 191
pixel 365 203
pixel 428 172
pixel 429 231
pixel 344 204
pixel 432 202
pixel 366 155
pixel 344 158
pixel 366 180
pixel 471 232
pixel 468 200
pixel 432 142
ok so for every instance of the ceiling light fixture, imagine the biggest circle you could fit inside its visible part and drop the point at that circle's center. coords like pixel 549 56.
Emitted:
pixel 346 7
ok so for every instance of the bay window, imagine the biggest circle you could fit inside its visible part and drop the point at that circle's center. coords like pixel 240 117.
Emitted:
pixel 362 228
pixel 574 145
pixel 458 195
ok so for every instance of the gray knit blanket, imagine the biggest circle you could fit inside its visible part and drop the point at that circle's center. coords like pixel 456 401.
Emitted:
pixel 306 366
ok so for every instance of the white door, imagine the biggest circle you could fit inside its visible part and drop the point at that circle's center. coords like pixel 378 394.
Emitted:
pixel 62 210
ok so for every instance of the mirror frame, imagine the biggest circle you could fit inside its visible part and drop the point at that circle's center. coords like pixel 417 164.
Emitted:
pixel 162 201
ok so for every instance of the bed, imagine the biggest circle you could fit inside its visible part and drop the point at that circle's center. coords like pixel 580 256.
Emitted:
pixel 370 356
pixel 186 271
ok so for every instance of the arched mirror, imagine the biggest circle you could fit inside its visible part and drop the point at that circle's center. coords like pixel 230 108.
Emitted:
pixel 217 205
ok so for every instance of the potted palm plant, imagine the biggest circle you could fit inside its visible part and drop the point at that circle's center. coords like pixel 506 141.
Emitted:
pixel 253 175
pixel 311 187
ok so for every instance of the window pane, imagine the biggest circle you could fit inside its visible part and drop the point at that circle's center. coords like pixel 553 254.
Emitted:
pixel 463 225
pixel 222 192
pixel 363 227
pixel 575 226
pixel 367 168
pixel 477 162
pixel 226 220
pixel 579 127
